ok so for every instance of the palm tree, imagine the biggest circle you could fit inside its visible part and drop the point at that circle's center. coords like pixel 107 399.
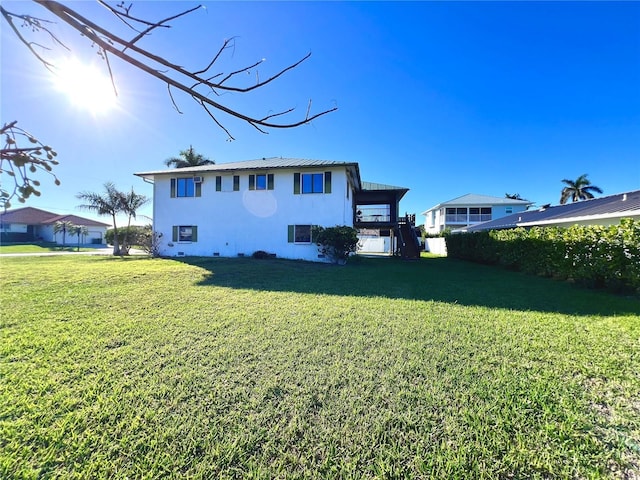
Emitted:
pixel 131 202
pixel 580 189
pixel 109 203
pixel 78 230
pixel 188 158
pixel 63 227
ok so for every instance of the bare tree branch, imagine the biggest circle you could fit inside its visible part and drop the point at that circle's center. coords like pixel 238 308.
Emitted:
pixel 21 162
pixel 173 75
pixel 35 24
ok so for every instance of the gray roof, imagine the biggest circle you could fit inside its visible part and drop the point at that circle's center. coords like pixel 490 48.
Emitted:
pixel 380 186
pixel 613 206
pixel 475 199
pixel 263 163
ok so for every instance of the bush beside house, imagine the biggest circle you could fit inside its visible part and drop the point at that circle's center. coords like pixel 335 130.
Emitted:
pixel 593 255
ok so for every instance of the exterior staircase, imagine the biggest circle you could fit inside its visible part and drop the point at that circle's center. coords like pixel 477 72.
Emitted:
pixel 408 243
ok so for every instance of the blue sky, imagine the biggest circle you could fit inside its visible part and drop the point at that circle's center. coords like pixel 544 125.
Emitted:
pixel 445 98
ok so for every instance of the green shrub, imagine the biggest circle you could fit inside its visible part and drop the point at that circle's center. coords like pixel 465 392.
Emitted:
pixel 337 243
pixel 262 255
pixel 593 255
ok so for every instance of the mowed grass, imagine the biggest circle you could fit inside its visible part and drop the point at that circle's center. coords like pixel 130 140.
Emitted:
pixel 41 248
pixel 243 368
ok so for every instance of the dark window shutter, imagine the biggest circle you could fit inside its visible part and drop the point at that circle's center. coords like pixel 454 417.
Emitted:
pixel 252 182
pixel 327 182
pixel 194 233
pixel 218 183
pixel 270 181
pixel 236 183
pixel 290 233
pixel 296 183
pixel 175 233
pixel 173 188
pixel 198 190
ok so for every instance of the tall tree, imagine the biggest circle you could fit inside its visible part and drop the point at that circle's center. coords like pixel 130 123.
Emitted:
pixel 64 227
pixel 513 196
pixel 131 203
pixel 188 158
pixel 579 189
pixel 111 202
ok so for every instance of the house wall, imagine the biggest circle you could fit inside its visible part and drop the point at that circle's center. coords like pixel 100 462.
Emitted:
pixel 94 237
pixel 435 220
pixel 230 222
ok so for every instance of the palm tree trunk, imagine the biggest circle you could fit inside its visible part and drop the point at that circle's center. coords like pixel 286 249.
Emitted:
pixel 116 246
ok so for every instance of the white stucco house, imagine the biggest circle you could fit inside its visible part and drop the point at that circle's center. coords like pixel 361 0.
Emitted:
pixel 468 210
pixel 269 204
pixel 29 224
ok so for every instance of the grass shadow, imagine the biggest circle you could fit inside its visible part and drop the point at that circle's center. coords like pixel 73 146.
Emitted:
pixel 437 279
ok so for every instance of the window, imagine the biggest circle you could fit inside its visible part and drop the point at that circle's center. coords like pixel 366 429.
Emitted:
pixel 373 213
pixel 508 210
pixel 185 233
pixel 299 234
pixel 262 181
pixel 185 187
pixel 312 182
pixel 226 183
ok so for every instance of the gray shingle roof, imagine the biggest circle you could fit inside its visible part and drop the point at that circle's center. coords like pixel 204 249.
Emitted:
pixel 612 206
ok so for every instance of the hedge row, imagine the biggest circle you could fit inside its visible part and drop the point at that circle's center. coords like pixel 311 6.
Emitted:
pixel 593 255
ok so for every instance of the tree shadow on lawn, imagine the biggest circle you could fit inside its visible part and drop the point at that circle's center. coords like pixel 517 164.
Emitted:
pixel 437 279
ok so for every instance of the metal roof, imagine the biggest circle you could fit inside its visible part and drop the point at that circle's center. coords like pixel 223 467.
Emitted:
pixel 380 186
pixel 474 199
pixel 258 164
pixel 613 206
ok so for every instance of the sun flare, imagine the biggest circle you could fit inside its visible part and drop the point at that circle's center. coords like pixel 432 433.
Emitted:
pixel 85 85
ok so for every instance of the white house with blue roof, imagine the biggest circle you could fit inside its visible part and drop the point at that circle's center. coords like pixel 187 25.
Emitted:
pixel 270 205
pixel 468 210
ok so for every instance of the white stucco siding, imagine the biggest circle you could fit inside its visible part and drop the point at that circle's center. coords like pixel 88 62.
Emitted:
pixel 241 222
pixel 15 227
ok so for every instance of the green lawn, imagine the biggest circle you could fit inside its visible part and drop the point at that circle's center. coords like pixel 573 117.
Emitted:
pixel 242 368
pixel 40 248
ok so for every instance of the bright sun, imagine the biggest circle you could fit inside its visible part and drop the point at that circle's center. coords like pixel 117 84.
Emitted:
pixel 85 85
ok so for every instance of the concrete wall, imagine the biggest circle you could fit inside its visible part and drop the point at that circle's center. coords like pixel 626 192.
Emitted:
pixel 375 245
pixel 436 246
pixel 241 222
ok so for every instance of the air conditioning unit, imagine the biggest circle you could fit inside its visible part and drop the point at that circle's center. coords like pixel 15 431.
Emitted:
pixel 197 179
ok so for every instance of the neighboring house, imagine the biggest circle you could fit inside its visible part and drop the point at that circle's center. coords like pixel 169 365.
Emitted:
pixel 236 209
pixel 30 224
pixel 470 209
pixel 605 211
